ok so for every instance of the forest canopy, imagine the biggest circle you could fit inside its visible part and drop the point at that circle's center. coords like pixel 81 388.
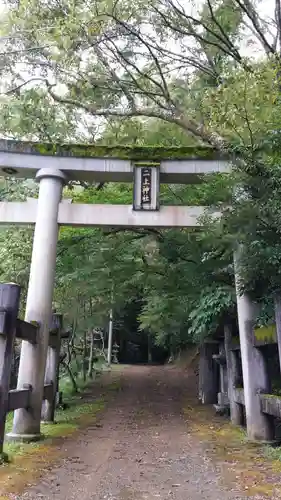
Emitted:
pixel 153 73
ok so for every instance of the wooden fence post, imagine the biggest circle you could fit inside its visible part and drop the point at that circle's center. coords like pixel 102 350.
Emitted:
pixel 9 307
pixel 52 369
pixel 236 409
pixel 277 304
pixel 223 400
pixel 208 372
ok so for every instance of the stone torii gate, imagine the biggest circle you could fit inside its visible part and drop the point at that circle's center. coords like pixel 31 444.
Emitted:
pixel 53 166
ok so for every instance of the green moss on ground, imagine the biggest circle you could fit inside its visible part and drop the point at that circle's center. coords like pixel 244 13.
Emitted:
pixel 273 453
pixel 28 461
pixel 67 422
pixel 253 468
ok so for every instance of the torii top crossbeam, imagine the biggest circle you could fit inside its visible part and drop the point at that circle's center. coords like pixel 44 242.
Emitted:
pixel 146 167
pixel 178 165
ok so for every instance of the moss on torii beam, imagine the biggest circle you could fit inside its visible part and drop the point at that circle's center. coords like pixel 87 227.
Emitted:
pixel 136 153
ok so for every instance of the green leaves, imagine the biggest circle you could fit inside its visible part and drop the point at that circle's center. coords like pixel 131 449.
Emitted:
pixel 214 304
pixel 156 73
pixel 128 59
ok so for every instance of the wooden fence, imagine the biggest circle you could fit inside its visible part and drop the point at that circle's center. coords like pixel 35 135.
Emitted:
pixel 11 328
pixel 221 378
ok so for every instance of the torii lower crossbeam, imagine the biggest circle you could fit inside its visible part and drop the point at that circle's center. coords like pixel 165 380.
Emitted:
pixel 90 215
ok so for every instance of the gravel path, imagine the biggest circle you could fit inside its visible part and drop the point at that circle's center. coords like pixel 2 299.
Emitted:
pixel 142 451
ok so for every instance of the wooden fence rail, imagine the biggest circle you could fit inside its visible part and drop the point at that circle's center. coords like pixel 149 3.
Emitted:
pixel 238 396
pixel 18 398
pixel 270 403
pixel 27 331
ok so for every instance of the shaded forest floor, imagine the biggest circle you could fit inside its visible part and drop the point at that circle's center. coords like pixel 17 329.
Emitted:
pixel 146 438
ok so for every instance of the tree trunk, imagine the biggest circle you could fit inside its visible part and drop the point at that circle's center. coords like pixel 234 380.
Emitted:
pixel 71 376
pixel 84 356
pixel 149 353
pixel 91 356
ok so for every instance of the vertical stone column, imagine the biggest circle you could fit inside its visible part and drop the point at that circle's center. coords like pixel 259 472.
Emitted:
pixel 223 402
pixel 236 410
pixel 110 337
pixel 277 305
pixel 26 425
pixel 255 378
pixel 9 307
pixel 52 369
pixel 223 382
pixel 208 373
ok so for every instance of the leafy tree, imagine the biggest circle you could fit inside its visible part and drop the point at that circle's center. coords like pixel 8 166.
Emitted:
pixel 100 59
pixel 171 74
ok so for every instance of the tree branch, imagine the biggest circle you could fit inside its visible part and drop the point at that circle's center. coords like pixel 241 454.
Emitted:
pixel 250 11
pixel 278 23
pixel 16 89
pixel 222 44
pixel 177 117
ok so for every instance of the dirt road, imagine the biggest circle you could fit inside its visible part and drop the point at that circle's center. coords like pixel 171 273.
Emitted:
pixel 142 450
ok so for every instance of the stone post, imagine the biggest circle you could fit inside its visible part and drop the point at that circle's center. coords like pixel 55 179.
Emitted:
pixel 255 377
pixel 208 373
pixel 277 304
pixel 26 424
pixel 110 337
pixel 220 359
pixel 52 369
pixel 236 410
pixel 9 307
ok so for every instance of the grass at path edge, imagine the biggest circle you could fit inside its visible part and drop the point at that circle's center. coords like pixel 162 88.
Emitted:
pixel 253 468
pixel 28 461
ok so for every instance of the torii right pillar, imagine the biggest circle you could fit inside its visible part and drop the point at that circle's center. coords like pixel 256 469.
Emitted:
pixel 255 377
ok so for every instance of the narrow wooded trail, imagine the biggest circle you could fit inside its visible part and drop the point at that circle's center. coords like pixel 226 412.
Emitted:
pixel 143 449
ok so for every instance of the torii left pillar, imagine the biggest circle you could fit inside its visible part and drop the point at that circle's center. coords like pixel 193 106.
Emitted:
pixel 26 424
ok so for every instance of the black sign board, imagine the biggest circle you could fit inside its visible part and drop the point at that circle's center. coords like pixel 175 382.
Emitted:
pixel 146 186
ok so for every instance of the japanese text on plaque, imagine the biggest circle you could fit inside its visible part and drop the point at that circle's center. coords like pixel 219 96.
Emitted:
pixel 145 186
